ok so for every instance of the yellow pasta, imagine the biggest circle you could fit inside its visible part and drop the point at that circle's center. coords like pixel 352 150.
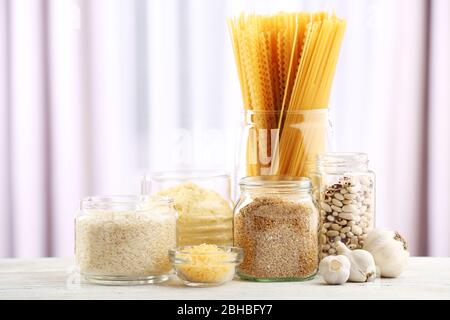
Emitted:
pixel 286 64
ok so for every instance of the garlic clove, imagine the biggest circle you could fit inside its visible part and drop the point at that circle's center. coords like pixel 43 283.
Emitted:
pixel 362 264
pixel 335 269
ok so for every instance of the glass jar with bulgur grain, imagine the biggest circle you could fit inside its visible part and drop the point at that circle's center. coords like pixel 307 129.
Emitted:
pixel 276 224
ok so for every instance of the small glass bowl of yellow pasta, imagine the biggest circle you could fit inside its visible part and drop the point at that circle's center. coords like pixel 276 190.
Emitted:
pixel 205 264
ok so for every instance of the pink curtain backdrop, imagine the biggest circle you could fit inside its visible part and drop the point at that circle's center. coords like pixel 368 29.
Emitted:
pixel 438 179
pixel 95 92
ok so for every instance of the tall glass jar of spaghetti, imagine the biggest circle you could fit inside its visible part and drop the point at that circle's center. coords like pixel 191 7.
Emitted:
pixel 345 192
pixel 276 143
pixel 286 64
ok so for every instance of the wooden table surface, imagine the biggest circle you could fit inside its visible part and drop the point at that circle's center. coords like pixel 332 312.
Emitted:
pixel 55 278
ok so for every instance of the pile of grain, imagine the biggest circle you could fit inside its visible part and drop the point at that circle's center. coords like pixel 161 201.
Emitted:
pixel 125 243
pixel 279 239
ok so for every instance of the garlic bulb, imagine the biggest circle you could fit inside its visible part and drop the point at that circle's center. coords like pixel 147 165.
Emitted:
pixel 390 251
pixel 335 269
pixel 362 264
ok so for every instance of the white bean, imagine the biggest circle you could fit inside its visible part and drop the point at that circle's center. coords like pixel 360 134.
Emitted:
pixel 349 208
pixel 357 230
pixel 336 208
pixel 326 207
pixel 336 227
pixel 332 233
pixel 346 216
pixel 339 196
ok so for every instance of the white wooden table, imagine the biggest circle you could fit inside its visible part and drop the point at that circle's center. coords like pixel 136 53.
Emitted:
pixel 54 278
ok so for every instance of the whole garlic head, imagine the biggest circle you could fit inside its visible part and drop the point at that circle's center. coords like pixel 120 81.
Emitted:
pixel 335 269
pixel 362 264
pixel 390 251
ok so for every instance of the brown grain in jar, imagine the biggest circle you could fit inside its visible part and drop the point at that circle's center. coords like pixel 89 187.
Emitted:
pixel 276 224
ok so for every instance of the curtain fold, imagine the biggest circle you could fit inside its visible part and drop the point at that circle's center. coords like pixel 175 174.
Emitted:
pixel 29 119
pixel 439 131
pixel 5 160
pixel 70 156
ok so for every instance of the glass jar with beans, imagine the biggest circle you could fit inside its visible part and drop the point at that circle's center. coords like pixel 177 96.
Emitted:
pixel 344 189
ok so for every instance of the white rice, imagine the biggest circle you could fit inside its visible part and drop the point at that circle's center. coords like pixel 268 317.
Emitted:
pixel 125 243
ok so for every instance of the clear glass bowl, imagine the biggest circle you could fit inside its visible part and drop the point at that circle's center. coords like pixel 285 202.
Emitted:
pixel 206 269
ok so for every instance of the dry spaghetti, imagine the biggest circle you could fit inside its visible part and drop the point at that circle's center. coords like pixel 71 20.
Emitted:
pixel 286 64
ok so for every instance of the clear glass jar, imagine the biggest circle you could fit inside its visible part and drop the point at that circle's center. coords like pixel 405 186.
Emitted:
pixel 125 239
pixel 203 202
pixel 276 224
pixel 345 191
pixel 265 149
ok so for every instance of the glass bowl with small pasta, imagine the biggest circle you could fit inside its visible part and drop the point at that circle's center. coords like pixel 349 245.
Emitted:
pixel 206 264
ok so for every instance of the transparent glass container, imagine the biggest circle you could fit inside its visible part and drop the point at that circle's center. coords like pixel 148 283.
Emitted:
pixel 208 268
pixel 125 239
pixel 203 202
pixel 344 188
pixel 282 143
pixel 276 224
